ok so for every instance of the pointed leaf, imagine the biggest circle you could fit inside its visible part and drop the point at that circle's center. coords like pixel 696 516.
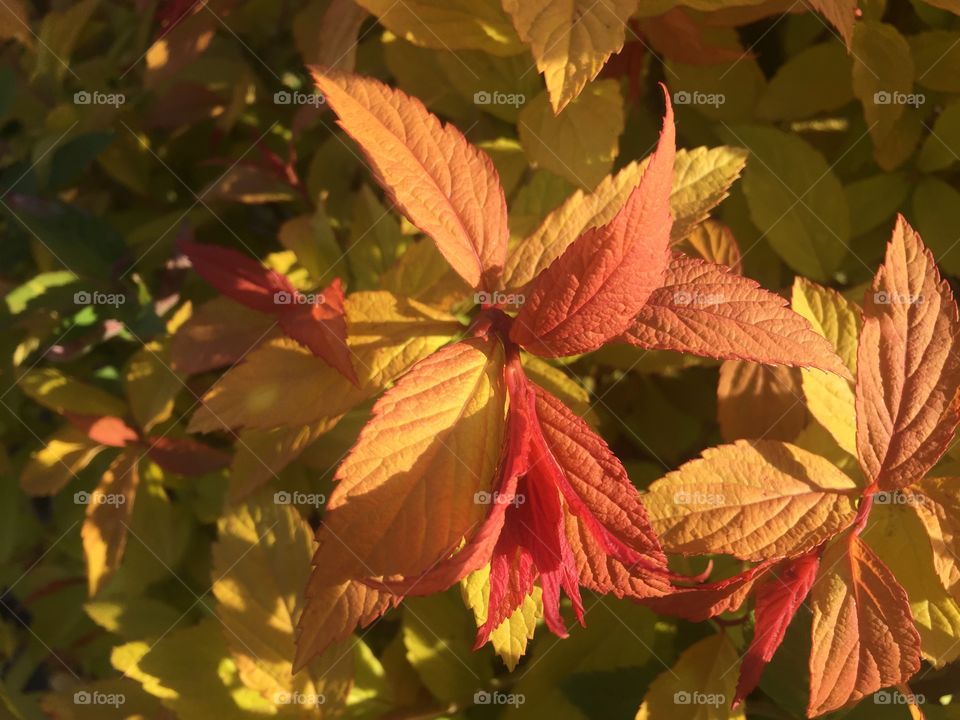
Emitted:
pixel 908 366
pixel 705 309
pixel 592 291
pixel 757 402
pixel 64 454
pixel 106 525
pixel 863 637
pixel 62 394
pixel 753 500
pixel 937 502
pixel 443 184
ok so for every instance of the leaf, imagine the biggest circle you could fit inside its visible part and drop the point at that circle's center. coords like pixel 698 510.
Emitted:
pixel 714 242
pixel 581 143
pixel 375 240
pixel 433 441
pixel 185 456
pixel 446 187
pixel 261 563
pixel 218 333
pixel 151 386
pixel 830 398
pixel 863 638
pixel 64 454
pixel 937 503
pixel 874 200
pixel 936 57
pixel 941 148
pixel 14 22
pixel 559 383
pixel 423 274
pixel 778 598
pixel 62 394
pixel 238 276
pixel 796 201
pixel 753 500
pixel 908 367
pixel 705 309
pixel 701 179
pixel 438 637
pixel 841 14
pixel 759 402
pixel 701 602
pixel 882 75
pixel 936 212
pixel 106 525
pixel 700 684
pixel 814 80
pixel 448 24
pixel 510 638
pixel 898 536
pixel 570 40
pixel 593 290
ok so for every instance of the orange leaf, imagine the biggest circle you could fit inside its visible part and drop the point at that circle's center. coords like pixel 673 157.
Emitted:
pixel 908 366
pixel 863 637
pixel 706 309
pixel 592 292
pixel 443 184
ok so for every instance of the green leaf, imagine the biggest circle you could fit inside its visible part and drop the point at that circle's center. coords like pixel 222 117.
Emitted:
pixel 941 149
pixel 874 200
pixel 795 200
pixel 936 214
pixel 936 56
pixel 813 81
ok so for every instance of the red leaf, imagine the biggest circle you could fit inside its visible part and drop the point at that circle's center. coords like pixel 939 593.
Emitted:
pixel 321 327
pixel 706 309
pixel 701 602
pixel 592 292
pixel 185 456
pixel 104 429
pixel 777 600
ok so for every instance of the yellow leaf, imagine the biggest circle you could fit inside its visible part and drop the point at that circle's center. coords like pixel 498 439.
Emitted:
pixel 448 24
pixel 66 453
pixel 753 500
pixel 510 639
pixel 106 525
pixel 937 503
pixel 699 686
pixel 433 441
pixel 62 394
pixel 570 39
pixel 701 179
pixel 900 539
pixel 581 143
pixel 830 398
pixel 714 242
pixel 151 385
pixel 261 563
pixel 423 274
pixel 574 395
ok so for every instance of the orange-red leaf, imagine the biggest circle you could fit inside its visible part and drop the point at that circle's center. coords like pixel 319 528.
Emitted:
pixel 863 636
pixel 236 275
pixel 908 366
pixel 778 598
pixel 186 456
pixel 592 292
pixel 446 187
pixel 104 429
pixel 706 309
